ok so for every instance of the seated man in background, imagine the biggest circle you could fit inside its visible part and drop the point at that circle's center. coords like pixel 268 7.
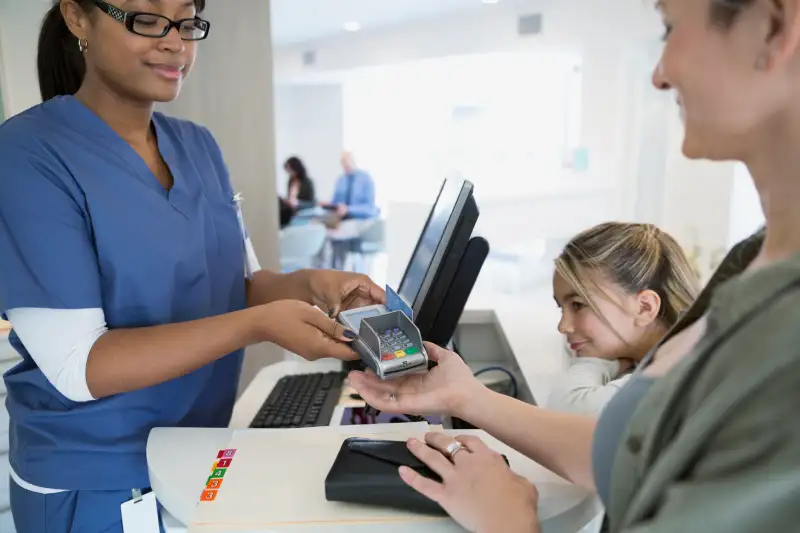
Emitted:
pixel 354 196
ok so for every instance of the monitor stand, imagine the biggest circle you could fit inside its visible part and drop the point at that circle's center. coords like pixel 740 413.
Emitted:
pixel 455 299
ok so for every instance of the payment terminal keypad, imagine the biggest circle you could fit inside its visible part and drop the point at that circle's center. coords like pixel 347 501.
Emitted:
pixel 388 341
pixel 395 344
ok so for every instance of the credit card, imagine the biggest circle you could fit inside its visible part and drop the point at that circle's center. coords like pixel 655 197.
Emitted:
pixel 395 302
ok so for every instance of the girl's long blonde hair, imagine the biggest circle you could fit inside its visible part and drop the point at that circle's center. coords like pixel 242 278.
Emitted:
pixel 637 257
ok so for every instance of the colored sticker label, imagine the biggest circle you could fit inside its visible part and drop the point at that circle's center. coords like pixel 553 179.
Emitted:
pixel 218 469
pixel 226 454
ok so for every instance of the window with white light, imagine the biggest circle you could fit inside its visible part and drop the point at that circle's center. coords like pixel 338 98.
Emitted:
pixel 508 122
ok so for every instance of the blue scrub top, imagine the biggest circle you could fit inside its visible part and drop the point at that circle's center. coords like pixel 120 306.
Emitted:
pixel 85 224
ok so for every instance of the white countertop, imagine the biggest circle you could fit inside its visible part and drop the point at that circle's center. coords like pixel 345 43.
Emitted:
pixel 563 507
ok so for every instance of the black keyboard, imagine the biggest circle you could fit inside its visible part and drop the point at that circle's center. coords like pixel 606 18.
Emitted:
pixel 303 400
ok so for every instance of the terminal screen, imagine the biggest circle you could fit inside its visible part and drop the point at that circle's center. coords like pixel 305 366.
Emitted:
pixel 429 242
pixel 354 317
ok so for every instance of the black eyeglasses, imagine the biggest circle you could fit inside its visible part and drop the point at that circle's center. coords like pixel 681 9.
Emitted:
pixel 156 26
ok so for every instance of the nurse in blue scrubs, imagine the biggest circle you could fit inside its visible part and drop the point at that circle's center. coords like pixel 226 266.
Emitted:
pixel 125 267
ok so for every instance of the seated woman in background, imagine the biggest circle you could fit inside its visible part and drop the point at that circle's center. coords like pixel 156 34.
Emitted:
pixel 620 287
pixel 300 188
pixel 285 213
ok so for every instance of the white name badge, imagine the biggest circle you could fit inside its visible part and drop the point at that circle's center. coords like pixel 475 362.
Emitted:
pixel 140 514
pixel 250 264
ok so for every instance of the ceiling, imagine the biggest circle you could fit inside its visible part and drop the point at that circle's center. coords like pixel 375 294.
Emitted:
pixel 299 21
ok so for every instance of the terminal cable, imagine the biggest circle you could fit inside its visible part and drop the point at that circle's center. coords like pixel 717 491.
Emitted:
pixel 514 386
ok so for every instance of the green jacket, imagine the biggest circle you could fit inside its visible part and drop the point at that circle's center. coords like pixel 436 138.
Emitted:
pixel 715 444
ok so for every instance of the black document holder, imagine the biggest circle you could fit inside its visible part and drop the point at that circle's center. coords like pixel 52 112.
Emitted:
pixel 365 472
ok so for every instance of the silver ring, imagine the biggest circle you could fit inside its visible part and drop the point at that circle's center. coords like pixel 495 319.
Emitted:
pixel 392 397
pixel 453 448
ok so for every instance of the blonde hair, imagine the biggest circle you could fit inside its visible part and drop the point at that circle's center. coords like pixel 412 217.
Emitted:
pixel 637 257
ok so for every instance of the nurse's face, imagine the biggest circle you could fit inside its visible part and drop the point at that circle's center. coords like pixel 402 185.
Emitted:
pixel 141 68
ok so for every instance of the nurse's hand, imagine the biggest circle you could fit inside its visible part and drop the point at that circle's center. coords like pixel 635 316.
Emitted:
pixel 303 329
pixel 335 291
pixel 478 489
pixel 446 389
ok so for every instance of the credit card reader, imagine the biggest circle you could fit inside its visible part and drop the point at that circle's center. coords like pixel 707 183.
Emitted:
pixel 388 341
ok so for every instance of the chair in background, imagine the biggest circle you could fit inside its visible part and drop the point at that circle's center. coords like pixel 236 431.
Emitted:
pixel 371 242
pixel 301 246
pixel 307 215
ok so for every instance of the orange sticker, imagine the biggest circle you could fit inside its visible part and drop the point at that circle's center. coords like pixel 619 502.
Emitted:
pixel 214 484
pixel 208 496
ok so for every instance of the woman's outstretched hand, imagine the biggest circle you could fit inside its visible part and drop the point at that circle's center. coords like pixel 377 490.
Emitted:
pixel 446 389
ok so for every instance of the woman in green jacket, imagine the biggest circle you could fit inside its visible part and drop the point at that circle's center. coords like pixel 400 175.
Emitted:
pixel 705 437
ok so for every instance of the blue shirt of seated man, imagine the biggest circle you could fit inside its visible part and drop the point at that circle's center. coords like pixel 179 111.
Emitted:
pixel 355 192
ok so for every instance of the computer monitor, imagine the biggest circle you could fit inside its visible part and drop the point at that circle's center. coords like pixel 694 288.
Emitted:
pixel 437 283
pixel 430 283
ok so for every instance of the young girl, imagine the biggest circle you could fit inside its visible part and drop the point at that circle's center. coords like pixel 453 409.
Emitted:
pixel 620 287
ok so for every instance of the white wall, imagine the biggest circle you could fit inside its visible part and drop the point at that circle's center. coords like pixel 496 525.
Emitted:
pixel 608 41
pixel 19 34
pixel 567 24
pixel 309 124
pixel 746 215
pixel 697 200
pixel 230 92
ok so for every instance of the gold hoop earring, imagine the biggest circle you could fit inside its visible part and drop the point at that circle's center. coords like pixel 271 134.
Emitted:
pixel 83 45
